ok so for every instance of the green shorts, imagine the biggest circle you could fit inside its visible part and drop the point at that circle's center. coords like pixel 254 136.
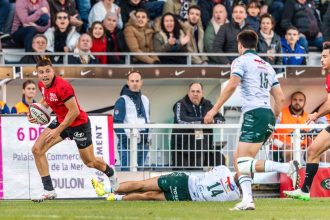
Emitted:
pixel 258 125
pixel 175 186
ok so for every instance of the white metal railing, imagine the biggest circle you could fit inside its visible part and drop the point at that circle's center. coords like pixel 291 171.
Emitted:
pixel 224 140
pixel 129 55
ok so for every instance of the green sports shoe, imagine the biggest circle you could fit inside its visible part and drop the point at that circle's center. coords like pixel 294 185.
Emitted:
pixel 99 187
pixel 298 194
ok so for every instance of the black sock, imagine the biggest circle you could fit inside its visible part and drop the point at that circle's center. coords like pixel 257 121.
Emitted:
pixel 47 182
pixel 108 171
pixel 311 170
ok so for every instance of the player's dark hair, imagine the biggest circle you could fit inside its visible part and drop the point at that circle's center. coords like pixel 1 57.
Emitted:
pixel 326 45
pixel 44 62
pixel 248 38
pixel 26 83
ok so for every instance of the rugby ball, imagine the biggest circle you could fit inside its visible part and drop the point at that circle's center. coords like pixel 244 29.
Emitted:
pixel 40 113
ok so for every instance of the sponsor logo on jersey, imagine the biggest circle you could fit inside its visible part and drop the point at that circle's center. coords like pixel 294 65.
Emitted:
pixel 260 61
pixel 228 185
pixel 53 97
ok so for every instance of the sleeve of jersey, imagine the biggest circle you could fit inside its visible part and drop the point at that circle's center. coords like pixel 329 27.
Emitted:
pixel 327 84
pixel 66 92
pixel 275 82
pixel 237 68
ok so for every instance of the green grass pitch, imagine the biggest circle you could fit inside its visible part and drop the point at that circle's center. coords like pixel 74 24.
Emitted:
pixel 101 209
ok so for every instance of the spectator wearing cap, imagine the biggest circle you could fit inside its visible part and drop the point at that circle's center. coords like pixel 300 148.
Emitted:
pixel 31 17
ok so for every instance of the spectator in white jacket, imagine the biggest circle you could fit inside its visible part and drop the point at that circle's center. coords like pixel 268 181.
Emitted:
pixel 62 37
pixel 101 8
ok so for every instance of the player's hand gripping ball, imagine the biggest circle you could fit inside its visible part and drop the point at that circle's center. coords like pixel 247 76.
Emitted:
pixel 40 113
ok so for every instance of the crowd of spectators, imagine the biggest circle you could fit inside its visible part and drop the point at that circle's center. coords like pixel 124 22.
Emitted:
pixel 175 26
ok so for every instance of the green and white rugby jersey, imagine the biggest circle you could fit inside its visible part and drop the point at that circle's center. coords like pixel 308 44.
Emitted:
pixel 216 185
pixel 257 79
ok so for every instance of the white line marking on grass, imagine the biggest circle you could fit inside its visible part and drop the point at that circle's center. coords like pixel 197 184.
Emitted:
pixel 106 217
pixel 43 216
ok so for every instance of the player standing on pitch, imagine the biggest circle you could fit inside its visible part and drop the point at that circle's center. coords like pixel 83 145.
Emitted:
pixel 322 141
pixel 257 79
pixel 71 121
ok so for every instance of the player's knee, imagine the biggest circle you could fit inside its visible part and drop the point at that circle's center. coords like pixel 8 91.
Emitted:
pixel 246 165
pixel 312 153
pixel 36 151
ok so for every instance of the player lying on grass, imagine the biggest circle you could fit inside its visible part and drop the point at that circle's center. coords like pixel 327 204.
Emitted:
pixel 216 185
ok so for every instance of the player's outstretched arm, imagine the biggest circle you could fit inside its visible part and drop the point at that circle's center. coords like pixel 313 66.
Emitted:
pixel 223 97
pixel 323 110
pixel 279 98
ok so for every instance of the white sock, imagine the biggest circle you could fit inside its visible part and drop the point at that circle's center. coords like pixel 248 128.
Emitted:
pixel 119 197
pixel 245 183
pixel 271 166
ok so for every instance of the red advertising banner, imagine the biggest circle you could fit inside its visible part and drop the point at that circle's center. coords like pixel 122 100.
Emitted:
pixel 320 186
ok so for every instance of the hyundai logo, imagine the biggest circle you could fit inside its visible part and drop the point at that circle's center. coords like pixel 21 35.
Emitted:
pixel 78 134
